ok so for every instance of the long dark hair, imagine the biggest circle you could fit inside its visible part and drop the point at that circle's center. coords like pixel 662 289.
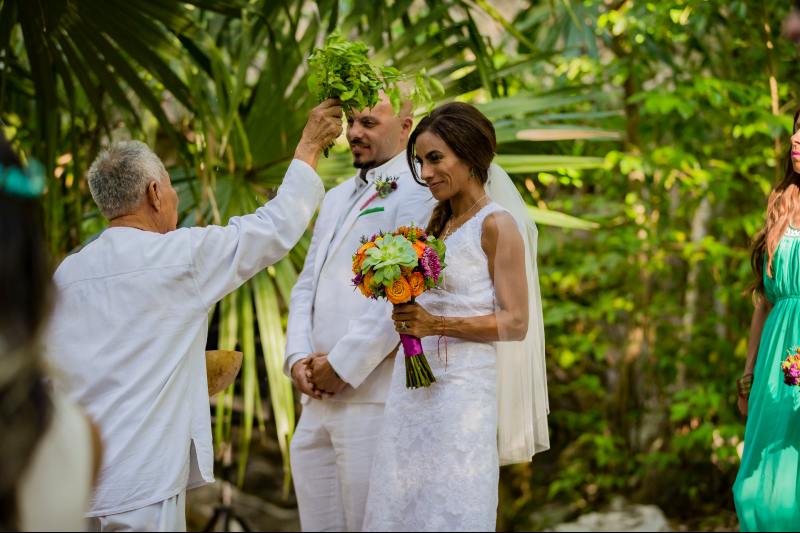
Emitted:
pixel 783 203
pixel 469 134
pixel 24 295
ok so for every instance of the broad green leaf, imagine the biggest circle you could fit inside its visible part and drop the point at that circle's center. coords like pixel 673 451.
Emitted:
pixel 272 346
pixel 560 220
pixel 566 133
pixel 249 378
pixel 521 164
pixel 228 332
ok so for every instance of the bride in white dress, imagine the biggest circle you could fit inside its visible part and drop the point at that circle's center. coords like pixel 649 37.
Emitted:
pixel 436 466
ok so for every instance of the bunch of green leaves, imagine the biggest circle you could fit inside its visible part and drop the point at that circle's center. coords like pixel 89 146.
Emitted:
pixel 342 69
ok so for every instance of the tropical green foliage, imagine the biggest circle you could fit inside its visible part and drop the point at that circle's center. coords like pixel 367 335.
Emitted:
pixel 647 318
pixel 644 137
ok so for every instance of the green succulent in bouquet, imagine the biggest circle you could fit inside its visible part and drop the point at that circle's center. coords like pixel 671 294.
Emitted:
pixel 388 256
pixel 341 69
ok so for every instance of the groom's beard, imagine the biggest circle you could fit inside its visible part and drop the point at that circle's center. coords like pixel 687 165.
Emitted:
pixel 363 164
pixel 366 162
pixel 366 165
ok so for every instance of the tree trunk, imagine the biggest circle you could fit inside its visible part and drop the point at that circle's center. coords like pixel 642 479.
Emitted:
pixel 700 220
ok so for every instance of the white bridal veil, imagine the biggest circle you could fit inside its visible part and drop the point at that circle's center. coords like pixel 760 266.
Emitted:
pixel 521 374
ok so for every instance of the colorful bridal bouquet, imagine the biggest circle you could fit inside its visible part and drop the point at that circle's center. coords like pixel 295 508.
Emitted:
pixel 791 368
pixel 399 266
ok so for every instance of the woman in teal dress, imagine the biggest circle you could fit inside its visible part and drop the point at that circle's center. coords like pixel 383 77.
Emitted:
pixel 767 488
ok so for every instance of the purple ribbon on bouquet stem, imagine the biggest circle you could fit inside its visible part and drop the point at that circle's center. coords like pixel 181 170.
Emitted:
pixel 411 345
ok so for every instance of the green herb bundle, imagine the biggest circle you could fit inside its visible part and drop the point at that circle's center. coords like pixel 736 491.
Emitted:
pixel 341 69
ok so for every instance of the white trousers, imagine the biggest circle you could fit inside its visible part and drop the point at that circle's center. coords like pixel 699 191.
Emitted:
pixel 166 515
pixel 331 456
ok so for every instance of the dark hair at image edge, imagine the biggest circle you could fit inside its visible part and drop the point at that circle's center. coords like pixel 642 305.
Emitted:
pixel 24 293
pixel 469 134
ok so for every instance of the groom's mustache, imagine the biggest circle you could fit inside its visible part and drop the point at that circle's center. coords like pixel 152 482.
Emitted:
pixel 358 142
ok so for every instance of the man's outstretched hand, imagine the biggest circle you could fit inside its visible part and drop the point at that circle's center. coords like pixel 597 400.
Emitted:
pixel 323 127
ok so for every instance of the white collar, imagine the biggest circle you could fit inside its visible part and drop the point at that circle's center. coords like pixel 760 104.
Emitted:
pixel 385 169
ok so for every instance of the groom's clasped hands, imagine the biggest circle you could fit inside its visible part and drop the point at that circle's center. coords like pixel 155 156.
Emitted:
pixel 315 376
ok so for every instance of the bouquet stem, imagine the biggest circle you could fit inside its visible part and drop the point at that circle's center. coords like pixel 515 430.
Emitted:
pixel 418 371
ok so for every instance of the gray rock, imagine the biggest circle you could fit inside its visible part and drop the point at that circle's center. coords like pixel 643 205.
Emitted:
pixel 621 516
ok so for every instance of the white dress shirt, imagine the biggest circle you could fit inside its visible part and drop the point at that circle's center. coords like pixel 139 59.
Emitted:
pixel 128 338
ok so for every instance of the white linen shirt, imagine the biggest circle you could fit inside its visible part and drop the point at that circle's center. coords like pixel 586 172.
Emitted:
pixel 129 331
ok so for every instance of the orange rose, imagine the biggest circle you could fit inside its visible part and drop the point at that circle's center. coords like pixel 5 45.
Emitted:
pixel 365 290
pixel 417 282
pixel 366 284
pixel 364 247
pixel 419 246
pixel 399 292
pixel 368 279
pixel 358 261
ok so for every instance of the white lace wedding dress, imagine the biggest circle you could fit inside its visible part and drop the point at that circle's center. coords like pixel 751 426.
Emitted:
pixel 436 463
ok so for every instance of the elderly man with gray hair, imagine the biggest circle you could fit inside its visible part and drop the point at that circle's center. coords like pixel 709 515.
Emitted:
pixel 128 335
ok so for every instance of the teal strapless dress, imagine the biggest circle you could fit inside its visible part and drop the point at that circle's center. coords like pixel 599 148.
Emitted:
pixel 767 488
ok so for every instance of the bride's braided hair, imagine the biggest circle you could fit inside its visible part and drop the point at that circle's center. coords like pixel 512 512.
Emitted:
pixel 469 134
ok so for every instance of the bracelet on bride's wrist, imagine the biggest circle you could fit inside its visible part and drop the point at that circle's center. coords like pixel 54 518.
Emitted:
pixel 744 384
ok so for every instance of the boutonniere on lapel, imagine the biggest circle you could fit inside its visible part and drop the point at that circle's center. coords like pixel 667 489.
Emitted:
pixel 383 188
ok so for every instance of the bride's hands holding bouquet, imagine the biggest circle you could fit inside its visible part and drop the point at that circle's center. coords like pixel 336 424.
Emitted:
pixel 399 266
pixel 413 319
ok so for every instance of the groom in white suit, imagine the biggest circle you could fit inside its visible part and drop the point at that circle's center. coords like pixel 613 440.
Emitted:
pixel 339 343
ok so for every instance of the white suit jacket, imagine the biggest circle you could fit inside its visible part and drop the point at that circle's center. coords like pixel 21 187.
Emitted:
pixel 128 338
pixel 327 313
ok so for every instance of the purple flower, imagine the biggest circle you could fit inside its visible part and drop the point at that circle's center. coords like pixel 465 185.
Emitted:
pixel 430 264
pixel 791 370
pixel 357 280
